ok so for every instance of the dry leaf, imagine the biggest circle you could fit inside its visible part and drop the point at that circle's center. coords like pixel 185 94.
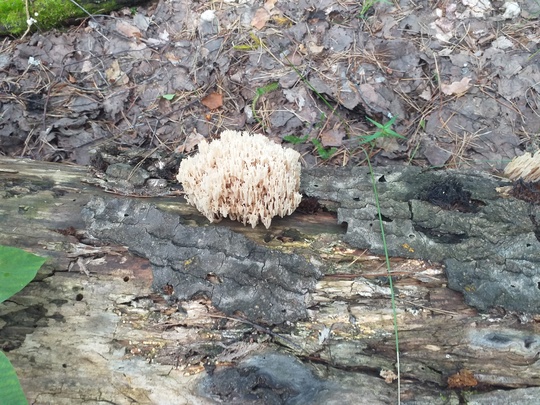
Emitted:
pixel 171 57
pixel 314 48
pixel 115 75
pixel 213 101
pixel 87 66
pixel 191 141
pixel 332 137
pixel 372 98
pixel 114 71
pixel 269 4
pixel 389 145
pixel 426 94
pixel 457 88
pixel 260 18
pixel 128 30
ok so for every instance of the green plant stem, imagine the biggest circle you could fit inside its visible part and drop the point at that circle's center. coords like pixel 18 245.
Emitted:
pixel 258 93
pixel 386 131
pixel 319 95
pixel 389 272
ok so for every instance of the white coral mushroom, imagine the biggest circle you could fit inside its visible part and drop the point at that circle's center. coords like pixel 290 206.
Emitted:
pixel 245 177
pixel 526 167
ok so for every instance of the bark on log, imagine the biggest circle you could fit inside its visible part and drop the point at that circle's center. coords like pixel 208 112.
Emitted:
pixel 91 328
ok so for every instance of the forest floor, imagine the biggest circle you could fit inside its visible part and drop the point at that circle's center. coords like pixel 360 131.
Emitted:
pixel 459 81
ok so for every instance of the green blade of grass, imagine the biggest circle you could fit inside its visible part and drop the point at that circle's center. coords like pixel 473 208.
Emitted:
pixel 370 138
pixel 389 272
pixel 377 124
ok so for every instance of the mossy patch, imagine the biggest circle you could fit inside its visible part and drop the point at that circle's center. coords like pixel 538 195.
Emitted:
pixel 50 13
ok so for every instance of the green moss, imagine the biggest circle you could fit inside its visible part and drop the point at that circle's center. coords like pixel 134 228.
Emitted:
pixel 49 13
pixel 12 16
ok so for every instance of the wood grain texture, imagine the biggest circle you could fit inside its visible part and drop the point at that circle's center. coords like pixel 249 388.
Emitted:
pixel 90 327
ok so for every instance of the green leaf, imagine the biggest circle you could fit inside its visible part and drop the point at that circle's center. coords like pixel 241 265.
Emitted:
pixel 390 122
pixel 381 126
pixel 295 140
pixel 385 131
pixel 168 96
pixel 17 269
pixel 370 138
pixel 394 134
pixel 10 387
pixel 323 153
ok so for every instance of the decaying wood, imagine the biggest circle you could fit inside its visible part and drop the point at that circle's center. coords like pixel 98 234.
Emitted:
pixel 107 336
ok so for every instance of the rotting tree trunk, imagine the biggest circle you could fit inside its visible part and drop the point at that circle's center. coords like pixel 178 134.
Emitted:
pixel 86 328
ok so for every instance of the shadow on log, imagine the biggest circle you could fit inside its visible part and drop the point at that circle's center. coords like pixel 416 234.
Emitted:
pixel 91 328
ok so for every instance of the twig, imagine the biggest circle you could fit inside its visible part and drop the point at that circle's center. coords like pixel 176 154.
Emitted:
pixel 259 328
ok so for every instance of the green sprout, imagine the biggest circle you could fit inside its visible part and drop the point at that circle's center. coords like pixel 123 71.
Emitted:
pixel 384 131
pixel 321 150
pixel 367 5
pixel 295 140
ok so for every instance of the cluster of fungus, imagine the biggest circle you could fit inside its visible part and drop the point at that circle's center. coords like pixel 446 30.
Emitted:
pixel 524 170
pixel 247 178
pixel 525 167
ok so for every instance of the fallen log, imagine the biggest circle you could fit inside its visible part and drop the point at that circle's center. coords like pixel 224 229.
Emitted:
pixel 91 327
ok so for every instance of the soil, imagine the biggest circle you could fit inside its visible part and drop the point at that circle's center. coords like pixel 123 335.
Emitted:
pixel 142 86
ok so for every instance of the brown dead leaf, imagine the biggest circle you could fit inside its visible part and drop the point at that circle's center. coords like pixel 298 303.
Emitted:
pixel 332 137
pixel 128 30
pixel 115 75
pixel 114 71
pixel 371 96
pixel 191 141
pixel 213 101
pixel 263 14
pixel 171 57
pixel 260 18
pixel 426 94
pixel 389 145
pixel 314 48
pixel 456 88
